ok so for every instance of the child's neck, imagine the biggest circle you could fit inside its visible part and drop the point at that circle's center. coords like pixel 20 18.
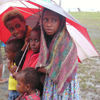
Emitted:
pixel 31 92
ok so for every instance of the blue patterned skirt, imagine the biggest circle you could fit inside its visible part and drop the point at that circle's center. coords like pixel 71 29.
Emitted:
pixel 70 93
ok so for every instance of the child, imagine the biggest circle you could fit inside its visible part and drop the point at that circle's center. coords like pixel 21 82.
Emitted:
pixel 32 55
pixel 16 24
pixel 28 83
pixel 13 45
pixel 58 54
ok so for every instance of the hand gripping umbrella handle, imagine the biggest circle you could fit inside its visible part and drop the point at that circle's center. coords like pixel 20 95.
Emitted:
pixel 22 57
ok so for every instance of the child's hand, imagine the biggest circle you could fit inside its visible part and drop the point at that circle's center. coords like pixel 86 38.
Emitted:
pixel 13 69
pixel 42 69
pixel 25 44
pixel 15 75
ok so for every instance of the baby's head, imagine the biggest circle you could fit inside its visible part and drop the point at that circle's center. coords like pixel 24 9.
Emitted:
pixel 28 80
pixel 35 39
pixel 13 45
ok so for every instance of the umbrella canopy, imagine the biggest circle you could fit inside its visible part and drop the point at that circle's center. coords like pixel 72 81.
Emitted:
pixel 78 33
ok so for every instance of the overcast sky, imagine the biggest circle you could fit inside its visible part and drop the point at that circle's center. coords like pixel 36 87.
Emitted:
pixel 82 4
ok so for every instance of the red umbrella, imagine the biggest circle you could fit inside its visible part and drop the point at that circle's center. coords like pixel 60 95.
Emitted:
pixel 79 34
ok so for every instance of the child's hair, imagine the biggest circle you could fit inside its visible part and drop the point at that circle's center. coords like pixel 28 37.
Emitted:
pixel 16 44
pixel 32 77
pixel 11 15
pixel 37 28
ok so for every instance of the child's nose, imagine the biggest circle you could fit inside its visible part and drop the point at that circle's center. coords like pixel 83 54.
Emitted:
pixel 33 42
pixel 15 32
pixel 49 23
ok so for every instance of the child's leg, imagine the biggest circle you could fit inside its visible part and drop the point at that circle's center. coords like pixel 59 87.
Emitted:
pixel 13 95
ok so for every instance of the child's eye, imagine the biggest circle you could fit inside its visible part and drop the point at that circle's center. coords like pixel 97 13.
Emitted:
pixel 54 20
pixel 17 25
pixel 36 40
pixel 30 39
pixel 45 20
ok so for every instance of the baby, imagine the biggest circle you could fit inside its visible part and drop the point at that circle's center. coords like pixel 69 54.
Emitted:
pixel 28 84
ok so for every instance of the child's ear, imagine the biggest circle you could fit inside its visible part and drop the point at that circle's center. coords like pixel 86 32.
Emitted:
pixel 28 87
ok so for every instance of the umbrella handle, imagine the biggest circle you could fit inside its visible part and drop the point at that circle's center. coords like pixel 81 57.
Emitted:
pixel 22 57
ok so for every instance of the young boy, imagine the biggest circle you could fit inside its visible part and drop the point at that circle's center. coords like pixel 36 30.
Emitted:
pixel 12 47
pixel 15 23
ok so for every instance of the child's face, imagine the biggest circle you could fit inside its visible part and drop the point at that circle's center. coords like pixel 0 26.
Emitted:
pixel 16 27
pixel 10 55
pixel 51 22
pixel 35 41
pixel 21 87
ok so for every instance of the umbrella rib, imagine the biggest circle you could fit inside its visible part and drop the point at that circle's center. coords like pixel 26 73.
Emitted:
pixel 24 11
pixel 27 7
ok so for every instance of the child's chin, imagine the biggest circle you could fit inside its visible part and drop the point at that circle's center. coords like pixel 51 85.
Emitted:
pixel 35 51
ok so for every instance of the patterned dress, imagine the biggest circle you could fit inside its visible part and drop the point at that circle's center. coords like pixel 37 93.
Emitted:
pixel 70 93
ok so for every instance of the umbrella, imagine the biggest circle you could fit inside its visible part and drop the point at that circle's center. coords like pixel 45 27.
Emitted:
pixel 78 33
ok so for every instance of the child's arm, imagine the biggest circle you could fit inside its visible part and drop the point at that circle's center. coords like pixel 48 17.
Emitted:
pixel 26 43
pixel 19 97
pixel 27 38
pixel 9 66
pixel 42 70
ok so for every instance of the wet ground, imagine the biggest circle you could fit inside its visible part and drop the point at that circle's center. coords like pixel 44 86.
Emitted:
pixel 4 88
pixel 89 78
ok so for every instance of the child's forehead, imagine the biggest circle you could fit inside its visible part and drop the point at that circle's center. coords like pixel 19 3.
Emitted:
pixel 49 13
pixel 35 33
pixel 9 46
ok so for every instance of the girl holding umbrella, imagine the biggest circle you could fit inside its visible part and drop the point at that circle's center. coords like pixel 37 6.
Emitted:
pixel 58 55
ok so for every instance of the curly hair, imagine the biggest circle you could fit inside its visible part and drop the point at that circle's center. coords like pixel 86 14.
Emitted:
pixel 32 77
pixel 11 15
